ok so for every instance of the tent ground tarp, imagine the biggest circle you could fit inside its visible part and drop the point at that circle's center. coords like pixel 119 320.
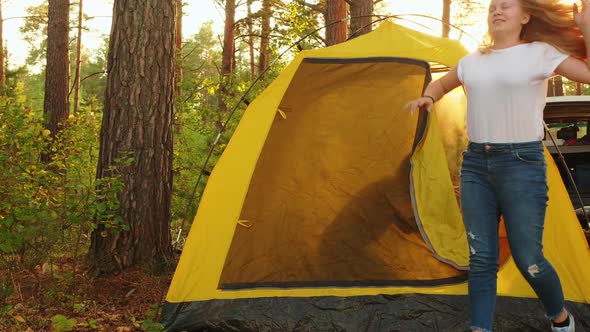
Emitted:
pixel 406 312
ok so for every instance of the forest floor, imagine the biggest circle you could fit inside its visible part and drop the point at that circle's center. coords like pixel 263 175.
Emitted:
pixel 44 301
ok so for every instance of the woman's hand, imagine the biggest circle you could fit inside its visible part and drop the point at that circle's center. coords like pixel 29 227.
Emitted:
pixel 582 18
pixel 416 104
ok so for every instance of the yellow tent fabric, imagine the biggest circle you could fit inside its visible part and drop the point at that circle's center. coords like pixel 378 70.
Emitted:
pixel 299 215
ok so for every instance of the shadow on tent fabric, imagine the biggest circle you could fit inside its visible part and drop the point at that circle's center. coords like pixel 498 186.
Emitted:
pixel 375 240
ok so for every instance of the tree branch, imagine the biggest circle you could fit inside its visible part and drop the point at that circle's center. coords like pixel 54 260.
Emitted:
pixel 93 74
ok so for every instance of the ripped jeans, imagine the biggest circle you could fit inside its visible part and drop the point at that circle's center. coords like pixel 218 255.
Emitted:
pixel 508 180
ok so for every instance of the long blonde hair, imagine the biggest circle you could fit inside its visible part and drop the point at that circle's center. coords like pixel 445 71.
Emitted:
pixel 551 22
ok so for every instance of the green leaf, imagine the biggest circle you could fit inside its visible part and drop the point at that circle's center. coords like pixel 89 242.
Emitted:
pixel 7 221
pixel 6 247
pixel 61 323
pixel 101 207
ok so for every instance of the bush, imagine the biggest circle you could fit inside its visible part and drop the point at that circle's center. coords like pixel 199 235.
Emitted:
pixel 49 209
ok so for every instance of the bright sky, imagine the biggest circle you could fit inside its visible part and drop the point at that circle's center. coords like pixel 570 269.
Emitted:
pixel 196 13
pixel 434 8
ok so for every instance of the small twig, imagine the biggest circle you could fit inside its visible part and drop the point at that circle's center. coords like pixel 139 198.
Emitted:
pixel 16 287
pixel 89 76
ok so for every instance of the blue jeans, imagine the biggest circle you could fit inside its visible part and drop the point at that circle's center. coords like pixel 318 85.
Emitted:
pixel 508 180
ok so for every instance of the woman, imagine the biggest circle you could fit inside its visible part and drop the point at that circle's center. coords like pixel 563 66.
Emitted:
pixel 503 170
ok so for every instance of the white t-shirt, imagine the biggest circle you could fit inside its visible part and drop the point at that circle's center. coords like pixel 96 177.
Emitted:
pixel 506 92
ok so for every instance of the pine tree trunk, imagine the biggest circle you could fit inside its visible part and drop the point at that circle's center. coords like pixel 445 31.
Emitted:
pixel 264 36
pixel 578 89
pixel 360 17
pixel 137 124
pixel 227 60
pixel 335 11
pixel 78 58
pixel 251 40
pixel 56 107
pixel 178 47
pixel 558 85
pixel 2 70
pixel 446 18
pixel 550 87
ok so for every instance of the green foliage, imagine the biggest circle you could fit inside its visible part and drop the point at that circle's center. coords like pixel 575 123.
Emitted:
pixel 34 32
pixel 48 209
pixel 149 324
pixel 92 324
pixel 6 290
pixel 93 62
pixel 93 77
pixel 194 118
pixel 296 21
pixel 570 88
pixel 27 89
pixel 56 203
pixel 61 323
pixel 5 310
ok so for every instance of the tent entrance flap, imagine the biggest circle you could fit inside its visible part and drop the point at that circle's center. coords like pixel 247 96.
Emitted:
pixel 329 201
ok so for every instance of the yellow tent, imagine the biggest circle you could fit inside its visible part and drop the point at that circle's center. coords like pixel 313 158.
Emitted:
pixel 333 207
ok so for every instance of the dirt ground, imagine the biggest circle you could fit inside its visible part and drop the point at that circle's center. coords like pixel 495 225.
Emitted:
pixel 46 301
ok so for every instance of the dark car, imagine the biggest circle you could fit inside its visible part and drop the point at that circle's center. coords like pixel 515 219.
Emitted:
pixel 567 119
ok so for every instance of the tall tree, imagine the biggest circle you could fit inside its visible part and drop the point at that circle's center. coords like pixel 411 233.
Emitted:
pixel 227 59
pixel 250 26
pixel 78 58
pixel 360 17
pixel 178 47
pixel 550 88
pixel 558 85
pixel 264 36
pixel 335 11
pixel 2 70
pixel 446 18
pixel 136 134
pixel 56 106
pixel 555 86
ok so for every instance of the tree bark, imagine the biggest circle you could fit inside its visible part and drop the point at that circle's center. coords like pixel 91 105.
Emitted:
pixel 360 17
pixel 446 18
pixel 227 60
pixel 578 89
pixel 78 58
pixel 137 124
pixel 179 74
pixel 2 70
pixel 56 106
pixel 335 11
pixel 264 36
pixel 558 85
pixel 251 40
